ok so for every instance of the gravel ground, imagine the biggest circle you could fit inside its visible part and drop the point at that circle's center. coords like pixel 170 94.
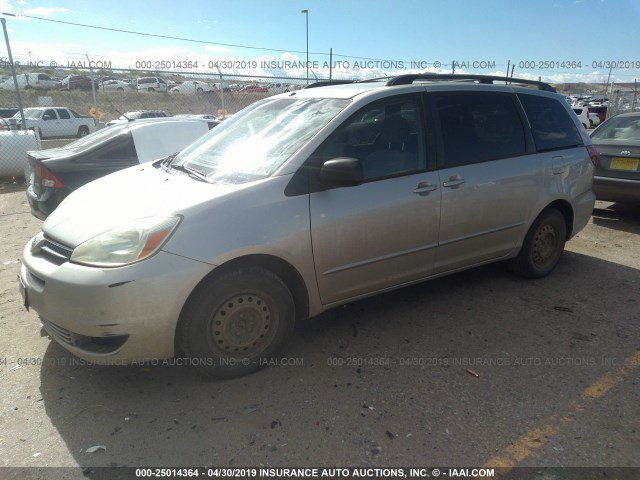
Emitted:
pixel 554 376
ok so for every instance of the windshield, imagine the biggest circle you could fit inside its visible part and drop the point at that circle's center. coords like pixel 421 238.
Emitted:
pixel 619 128
pixel 260 140
pixel 29 113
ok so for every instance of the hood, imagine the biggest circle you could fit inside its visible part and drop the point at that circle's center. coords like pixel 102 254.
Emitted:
pixel 125 196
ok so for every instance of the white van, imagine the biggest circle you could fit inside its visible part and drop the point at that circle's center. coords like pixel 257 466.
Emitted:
pixel 151 84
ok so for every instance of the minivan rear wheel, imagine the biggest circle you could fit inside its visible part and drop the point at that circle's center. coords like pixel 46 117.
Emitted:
pixel 542 246
pixel 235 322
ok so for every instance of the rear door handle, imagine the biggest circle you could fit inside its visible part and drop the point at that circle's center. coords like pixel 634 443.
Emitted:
pixel 424 188
pixel 454 181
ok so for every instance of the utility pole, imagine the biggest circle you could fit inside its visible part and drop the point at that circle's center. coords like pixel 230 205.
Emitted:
pixel 306 13
pixel 330 62
pixel 93 91
pixel 13 69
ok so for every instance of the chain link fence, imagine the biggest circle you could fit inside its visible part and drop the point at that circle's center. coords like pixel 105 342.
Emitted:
pixel 623 101
pixel 113 94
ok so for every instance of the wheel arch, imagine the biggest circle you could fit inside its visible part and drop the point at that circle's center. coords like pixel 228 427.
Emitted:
pixel 279 267
pixel 566 210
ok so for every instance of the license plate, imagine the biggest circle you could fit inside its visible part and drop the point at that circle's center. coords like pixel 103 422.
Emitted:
pixel 626 164
pixel 23 292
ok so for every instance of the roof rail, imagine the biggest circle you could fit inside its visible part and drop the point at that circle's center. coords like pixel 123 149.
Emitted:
pixel 326 83
pixel 489 79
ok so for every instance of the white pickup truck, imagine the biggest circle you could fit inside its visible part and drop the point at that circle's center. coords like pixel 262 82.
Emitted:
pixel 56 122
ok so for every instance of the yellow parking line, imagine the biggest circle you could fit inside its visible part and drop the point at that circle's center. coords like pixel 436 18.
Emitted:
pixel 538 436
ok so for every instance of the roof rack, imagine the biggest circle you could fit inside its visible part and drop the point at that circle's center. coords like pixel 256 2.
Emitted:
pixel 488 79
pixel 326 83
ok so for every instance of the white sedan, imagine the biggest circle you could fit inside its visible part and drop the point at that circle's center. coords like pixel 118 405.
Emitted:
pixel 192 86
pixel 118 85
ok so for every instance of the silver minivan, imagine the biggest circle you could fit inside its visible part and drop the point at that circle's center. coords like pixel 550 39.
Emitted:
pixel 305 201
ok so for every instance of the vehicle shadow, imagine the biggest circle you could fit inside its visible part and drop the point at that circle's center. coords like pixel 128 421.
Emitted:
pixel 617 216
pixel 341 394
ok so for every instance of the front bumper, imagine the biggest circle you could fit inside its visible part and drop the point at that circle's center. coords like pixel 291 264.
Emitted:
pixel 111 316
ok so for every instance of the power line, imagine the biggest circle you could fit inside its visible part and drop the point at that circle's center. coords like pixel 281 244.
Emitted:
pixel 183 39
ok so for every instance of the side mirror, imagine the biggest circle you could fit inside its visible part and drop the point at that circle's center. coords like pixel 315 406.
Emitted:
pixel 342 172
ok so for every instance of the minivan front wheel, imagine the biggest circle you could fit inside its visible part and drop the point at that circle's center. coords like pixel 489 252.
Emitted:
pixel 235 322
pixel 542 246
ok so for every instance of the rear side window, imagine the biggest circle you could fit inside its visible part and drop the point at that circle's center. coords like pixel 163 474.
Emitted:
pixel 479 127
pixel 551 125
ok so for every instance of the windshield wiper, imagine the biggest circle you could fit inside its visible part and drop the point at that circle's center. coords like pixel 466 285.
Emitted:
pixel 168 160
pixel 191 172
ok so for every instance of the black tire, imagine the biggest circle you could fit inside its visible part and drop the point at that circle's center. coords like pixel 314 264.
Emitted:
pixel 150 89
pixel 83 131
pixel 199 90
pixel 120 89
pixel 235 322
pixel 542 247
pixel 590 123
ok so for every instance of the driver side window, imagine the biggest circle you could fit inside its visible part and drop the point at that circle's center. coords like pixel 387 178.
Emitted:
pixel 386 136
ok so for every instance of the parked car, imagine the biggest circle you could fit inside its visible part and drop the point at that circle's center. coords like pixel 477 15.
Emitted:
pixel 275 88
pixel 253 89
pixel 600 111
pixel 55 122
pixel 223 87
pixel 151 84
pixel 30 80
pixel 588 120
pixel 8 112
pixel 117 85
pixel 56 172
pixel 212 119
pixel 77 82
pixel 303 202
pixel 137 115
pixel 192 87
pixel 617 176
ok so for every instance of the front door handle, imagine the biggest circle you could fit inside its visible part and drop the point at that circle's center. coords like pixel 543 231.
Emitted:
pixel 424 188
pixel 454 181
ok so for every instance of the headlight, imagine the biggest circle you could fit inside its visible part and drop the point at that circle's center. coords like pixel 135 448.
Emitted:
pixel 126 244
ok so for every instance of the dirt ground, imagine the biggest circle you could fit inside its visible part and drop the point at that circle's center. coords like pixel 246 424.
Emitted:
pixel 479 368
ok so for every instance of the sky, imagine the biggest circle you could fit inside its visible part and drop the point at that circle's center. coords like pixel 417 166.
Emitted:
pixel 557 40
